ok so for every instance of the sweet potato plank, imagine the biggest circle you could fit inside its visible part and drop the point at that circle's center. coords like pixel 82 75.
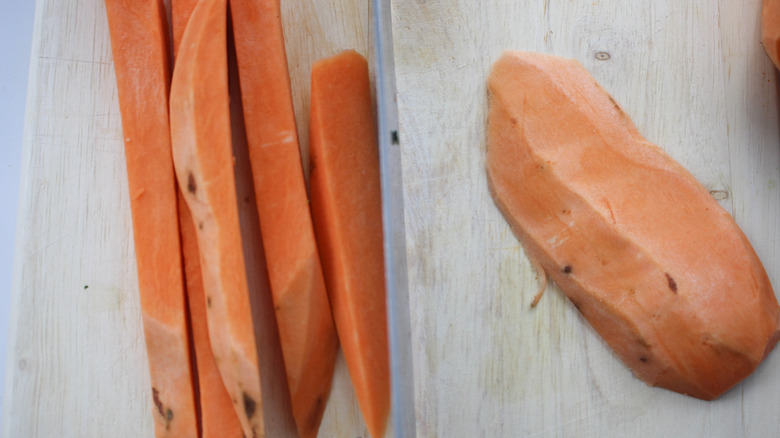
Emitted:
pixel 347 212
pixel 139 41
pixel 203 158
pixel 641 248
pixel 306 328
pixel 217 416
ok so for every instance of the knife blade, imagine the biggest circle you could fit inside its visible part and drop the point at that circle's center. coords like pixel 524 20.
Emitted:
pixel 396 277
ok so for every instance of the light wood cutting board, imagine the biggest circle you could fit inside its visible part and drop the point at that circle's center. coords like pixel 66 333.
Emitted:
pixel 692 75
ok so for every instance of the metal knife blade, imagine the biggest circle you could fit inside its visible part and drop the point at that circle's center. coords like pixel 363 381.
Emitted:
pixel 396 277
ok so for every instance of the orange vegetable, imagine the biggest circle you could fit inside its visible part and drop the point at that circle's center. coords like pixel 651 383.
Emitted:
pixel 308 335
pixel 641 248
pixel 139 41
pixel 347 210
pixel 217 417
pixel 180 14
pixel 203 158
pixel 770 29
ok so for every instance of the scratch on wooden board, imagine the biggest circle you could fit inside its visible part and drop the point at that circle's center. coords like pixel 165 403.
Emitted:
pixel 562 427
pixel 77 61
pixel 50 244
pixel 506 248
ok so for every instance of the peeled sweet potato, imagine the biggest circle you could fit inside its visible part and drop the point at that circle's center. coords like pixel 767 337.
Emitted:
pixel 347 210
pixel 307 332
pixel 641 248
pixel 201 140
pixel 770 29
pixel 139 42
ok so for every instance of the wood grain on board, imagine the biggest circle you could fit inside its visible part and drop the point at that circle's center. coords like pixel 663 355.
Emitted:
pixel 692 75
pixel 77 362
pixel 694 78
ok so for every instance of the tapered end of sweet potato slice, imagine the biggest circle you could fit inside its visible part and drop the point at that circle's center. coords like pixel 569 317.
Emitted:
pixel 641 248
pixel 347 211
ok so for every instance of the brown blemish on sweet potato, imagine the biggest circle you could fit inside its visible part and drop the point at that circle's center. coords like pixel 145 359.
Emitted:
pixel 249 405
pixel 157 402
pixel 166 413
pixel 672 284
pixel 192 186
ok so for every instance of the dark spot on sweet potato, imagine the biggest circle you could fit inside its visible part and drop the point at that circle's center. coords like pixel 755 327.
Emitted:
pixel 192 187
pixel 200 225
pixel 166 413
pixel 513 121
pixel 672 284
pixel 617 107
pixel 643 359
pixel 249 405
pixel 567 269
pixel 157 402
pixel 208 302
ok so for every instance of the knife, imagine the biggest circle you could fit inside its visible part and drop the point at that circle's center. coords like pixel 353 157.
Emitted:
pixel 396 277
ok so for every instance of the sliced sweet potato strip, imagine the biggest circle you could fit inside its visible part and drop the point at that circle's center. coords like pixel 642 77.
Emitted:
pixel 217 416
pixel 347 211
pixel 139 41
pixel 306 328
pixel 203 158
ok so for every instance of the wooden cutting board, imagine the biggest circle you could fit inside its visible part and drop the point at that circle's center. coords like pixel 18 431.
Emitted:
pixel 692 75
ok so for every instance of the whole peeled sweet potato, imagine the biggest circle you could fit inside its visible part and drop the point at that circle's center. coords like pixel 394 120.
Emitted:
pixel 642 249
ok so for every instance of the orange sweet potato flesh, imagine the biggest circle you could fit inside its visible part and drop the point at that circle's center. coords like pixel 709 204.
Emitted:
pixel 770 29
pixel 306 328
pixel 139 40
pixel 347 211
pixel 651 260
pixel 180 14
pixel 203 158
pixel 217 417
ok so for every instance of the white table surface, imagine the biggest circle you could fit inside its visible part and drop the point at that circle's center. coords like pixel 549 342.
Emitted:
pixel 16 19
